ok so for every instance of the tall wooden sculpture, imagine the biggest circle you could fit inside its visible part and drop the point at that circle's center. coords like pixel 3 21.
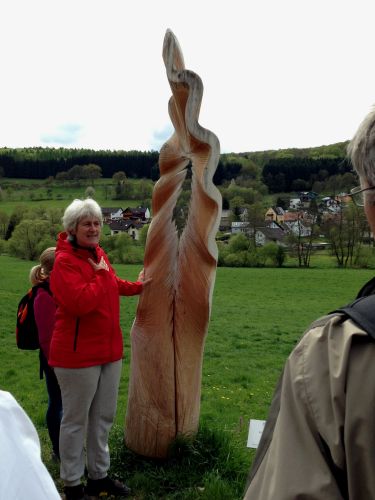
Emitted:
pixel 173 313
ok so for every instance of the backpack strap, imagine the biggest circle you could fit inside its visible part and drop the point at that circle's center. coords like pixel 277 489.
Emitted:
pixel 362 312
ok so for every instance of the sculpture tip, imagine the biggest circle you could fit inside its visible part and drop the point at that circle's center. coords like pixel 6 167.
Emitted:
pixel 172 53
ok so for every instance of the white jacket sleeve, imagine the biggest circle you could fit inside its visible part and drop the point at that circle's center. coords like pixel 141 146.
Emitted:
pixel 23 474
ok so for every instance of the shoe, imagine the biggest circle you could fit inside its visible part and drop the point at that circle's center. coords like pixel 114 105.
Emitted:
pixel 74 492
pixel 106 486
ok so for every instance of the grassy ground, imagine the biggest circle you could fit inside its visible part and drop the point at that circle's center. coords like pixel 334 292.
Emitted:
pixel 257 317
pixel 34 193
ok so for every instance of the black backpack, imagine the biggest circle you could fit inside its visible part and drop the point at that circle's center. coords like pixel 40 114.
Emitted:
pixel 26 329
pixel 362 312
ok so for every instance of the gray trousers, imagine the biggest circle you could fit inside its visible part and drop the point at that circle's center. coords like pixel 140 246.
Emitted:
pixel 89 397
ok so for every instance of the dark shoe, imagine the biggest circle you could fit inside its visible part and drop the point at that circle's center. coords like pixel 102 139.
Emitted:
pixel 74 492
pixel 106 486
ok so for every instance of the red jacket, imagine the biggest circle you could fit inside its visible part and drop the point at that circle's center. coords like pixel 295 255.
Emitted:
pixel 87 326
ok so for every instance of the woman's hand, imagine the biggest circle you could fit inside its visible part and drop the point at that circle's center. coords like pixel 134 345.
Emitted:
pixel 141 278
pixel 101 265
pixel 141 275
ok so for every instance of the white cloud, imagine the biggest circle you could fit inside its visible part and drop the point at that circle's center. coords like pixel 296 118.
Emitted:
pixel 65 134
pixel 161 136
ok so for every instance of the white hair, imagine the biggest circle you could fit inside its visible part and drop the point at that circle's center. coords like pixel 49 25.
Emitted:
pixel 361 149
pixel 78 210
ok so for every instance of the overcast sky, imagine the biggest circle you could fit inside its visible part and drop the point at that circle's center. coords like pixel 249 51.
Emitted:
pixel 276 73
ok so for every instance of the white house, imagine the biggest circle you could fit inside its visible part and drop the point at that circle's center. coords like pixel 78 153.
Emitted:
pixel 111 213
pixel 298 228
pixel 240 227
pixel 295 203
pixel 264 235
pixel 125 226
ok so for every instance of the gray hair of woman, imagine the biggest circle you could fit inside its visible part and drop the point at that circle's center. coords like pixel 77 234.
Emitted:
pixel 78 210
pixel 41 272
pixel 361 149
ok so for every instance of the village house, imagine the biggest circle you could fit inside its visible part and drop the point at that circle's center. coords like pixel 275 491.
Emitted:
pixel 111 214
pixel 227 216
pixel 274 214
pixel 293 216
pixel 225 221
pixel 130 220
pixel 306 197
pixel 295 203
pixel 240 227
pixel 298 228
pixel 264 235
pixel 140 213
pixel 126 226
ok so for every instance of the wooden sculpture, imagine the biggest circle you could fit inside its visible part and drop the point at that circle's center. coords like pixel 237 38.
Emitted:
pixel 173 313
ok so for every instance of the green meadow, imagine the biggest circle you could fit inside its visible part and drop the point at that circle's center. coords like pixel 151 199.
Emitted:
pixel 258 315
pixel 35 193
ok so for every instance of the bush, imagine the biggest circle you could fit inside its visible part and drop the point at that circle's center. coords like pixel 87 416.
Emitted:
pixel 272 254
pixel 3 246
pixel 365 258
pixel 29 237
pixel 122 249
pixel 238 243
pixel 235 259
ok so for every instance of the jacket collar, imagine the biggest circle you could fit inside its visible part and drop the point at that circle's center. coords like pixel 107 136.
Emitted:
pixel 68 243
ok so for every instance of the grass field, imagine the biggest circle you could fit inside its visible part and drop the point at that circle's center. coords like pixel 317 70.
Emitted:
pixel 34 193
pixel 257 317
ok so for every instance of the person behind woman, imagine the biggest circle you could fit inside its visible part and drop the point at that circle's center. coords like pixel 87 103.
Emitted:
pixel 86 349
pixel 44 312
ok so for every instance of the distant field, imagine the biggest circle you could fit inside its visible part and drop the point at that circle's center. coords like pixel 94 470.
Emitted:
pixel 35 193
pixel 257 317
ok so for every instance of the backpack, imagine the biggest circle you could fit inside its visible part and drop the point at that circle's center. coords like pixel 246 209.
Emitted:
pixel 26 330
pixel 362 312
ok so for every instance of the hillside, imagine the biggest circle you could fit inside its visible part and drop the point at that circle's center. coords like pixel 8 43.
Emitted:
pixel 282 170
pixel 337 150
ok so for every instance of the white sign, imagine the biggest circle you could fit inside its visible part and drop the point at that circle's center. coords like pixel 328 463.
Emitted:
pixel 255 432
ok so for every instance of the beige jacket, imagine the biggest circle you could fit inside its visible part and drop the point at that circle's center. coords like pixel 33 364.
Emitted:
pixel 319 440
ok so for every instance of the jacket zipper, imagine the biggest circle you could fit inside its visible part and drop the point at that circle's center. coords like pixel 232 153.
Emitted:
pixel 76 335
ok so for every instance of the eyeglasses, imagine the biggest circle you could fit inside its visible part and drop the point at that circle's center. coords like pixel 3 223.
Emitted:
pixel 358 195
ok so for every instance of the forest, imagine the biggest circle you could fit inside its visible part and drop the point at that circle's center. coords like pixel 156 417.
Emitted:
pixel 281 171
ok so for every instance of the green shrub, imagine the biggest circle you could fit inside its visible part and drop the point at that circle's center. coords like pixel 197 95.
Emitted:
pixel 122 249
pixel 235 259
pixel 3 246
pixel 272 254
pixel 365 258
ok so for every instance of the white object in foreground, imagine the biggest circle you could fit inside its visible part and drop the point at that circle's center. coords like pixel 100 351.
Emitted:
pixel 23 474
pixel 255 432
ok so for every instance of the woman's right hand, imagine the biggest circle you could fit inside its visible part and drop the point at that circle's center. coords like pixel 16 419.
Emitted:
pixel 142 279
pixel 101 265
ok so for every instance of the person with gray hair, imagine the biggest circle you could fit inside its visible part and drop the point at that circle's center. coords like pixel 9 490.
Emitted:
pixel 319 439
pixel 86 350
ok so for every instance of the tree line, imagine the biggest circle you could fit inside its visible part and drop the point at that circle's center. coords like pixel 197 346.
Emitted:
pixel 280 171
pixel 41 163
pixel 294 174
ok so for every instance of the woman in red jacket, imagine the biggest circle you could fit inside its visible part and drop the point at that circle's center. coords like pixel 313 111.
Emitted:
pixel 44 312
pixel 86 349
